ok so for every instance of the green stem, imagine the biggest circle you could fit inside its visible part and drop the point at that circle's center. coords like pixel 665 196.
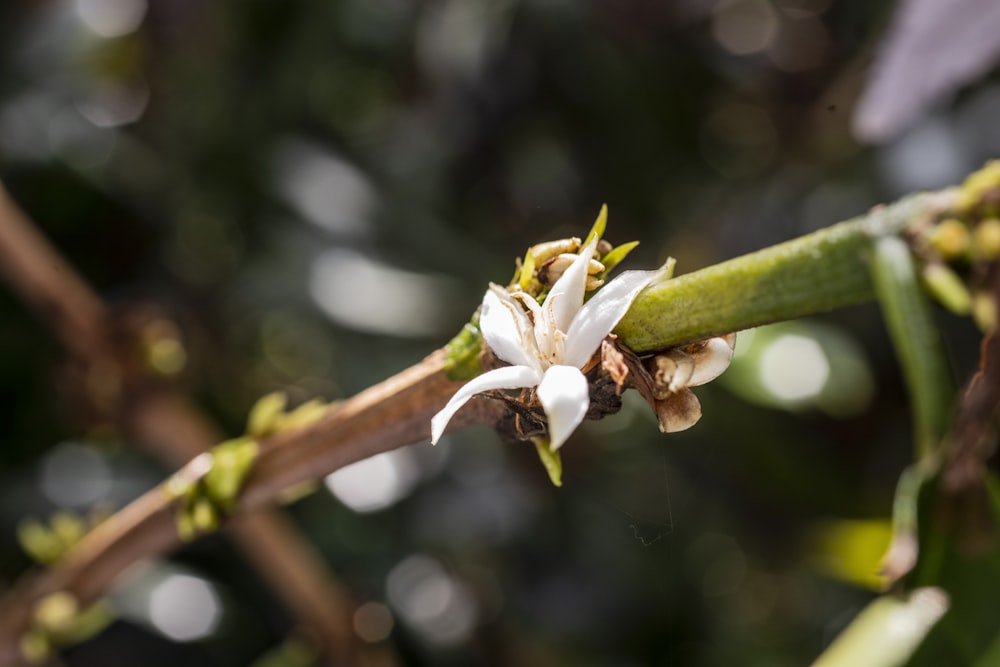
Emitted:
pixel 818 272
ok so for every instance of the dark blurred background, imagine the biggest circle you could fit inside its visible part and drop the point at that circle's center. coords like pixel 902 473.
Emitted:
pixel 248 166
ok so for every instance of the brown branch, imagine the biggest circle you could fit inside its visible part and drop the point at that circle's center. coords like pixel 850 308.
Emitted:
pixel 48 284
pixel 384 417
pixel 172 431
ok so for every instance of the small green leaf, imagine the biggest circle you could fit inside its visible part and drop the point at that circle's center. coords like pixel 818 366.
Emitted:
pixel 550 459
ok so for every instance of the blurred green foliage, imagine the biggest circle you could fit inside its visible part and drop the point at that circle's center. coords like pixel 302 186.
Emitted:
pixel 275 175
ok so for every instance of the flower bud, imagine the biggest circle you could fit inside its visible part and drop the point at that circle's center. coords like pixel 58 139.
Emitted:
pixel 986 239
pixel 945 285
pixel 543 252
pixel 950 238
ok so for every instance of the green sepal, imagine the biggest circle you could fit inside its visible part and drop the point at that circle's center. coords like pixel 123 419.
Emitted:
pixel 616 255
pixel 550 459
pixel 527 273
pixel 598 229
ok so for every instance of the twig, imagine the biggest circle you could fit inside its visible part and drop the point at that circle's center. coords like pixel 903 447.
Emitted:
pixel 815 273
pixel 174 432
pixel 47 283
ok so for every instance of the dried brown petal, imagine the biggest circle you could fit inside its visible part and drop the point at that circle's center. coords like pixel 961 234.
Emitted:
pixel 613 361
pixel 678 412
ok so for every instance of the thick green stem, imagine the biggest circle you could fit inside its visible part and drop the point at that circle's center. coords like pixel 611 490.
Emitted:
pixel 821 271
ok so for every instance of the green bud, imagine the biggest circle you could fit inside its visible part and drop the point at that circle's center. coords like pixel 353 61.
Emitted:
pixel 56 612
pixel 204 517
pixel 36 646
pixel 68 528
pixel 984 311
pixel 950 238
pixel 304 415
pixel 976 186
pixel 265 414
pixel 986 239
pixel 945 286
pixel 38 541
pixel 231 463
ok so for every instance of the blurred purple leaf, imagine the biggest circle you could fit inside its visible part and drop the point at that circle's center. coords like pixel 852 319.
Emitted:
pixel 931 49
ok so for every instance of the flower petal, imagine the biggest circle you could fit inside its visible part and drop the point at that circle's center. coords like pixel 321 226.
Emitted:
pixel 678 412
pixel 601 314
pixel 508 377
pixel 565 396
pixel 566 296
pixel 711 359
pixel 505 328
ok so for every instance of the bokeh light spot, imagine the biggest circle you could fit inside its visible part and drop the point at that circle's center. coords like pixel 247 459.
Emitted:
pixel 74 475
pixel 374 483
pixel 185 608
pixel 429 599
pixel 794 368
pixel 373 622
pixel 324 189
pixel 362 293
pixel 743 27
pixel 111 18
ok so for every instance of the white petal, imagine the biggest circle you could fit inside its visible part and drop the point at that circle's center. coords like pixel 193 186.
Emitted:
pixel 566 295
pixel 711 360
pixel 505 328
pixel 565 397
pixel 602 313
pixel 508 377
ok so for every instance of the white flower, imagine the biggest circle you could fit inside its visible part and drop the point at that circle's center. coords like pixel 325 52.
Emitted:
pixel 548 344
